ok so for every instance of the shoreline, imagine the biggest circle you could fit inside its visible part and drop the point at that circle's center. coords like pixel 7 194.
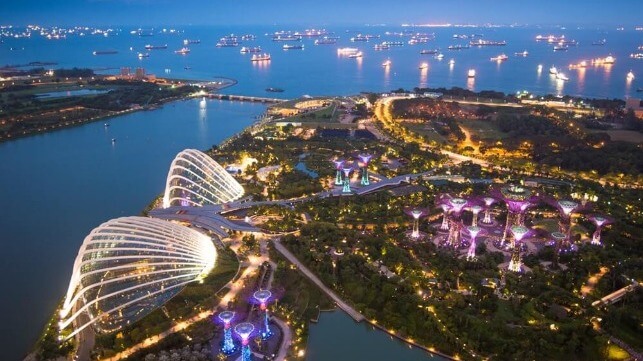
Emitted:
pixel 151 107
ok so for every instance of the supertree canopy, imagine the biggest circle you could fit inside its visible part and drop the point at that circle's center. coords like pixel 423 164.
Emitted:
pixel 338 174
pixel 244 330
pixel 365 159
pixel 262 296
pixel 474 232
pixel 488 202
pixel 518 199
pixel 347 180
pixel 416 214
pixel 228 346
pixel 519 232
pixel 599 221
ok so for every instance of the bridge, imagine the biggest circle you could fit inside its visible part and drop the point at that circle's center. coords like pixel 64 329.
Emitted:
pixel 245 98
pixel 617 295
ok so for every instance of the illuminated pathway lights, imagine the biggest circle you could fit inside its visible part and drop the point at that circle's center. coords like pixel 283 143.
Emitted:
pixel 515 265
pixel 365 158
pixel 473 232
pixel 263 296
pixel 228 346
pixel 244 330
pixel 347 180
pixel 338 176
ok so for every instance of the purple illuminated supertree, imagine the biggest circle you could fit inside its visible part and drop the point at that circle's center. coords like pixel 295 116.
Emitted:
pixel 262 296
pixel 488 202
pixel 599 221
pixel 228 346
pixel 474 231
pixel 456 207
pixel 566 209
pixel 519 232
pixel 558 239
pixel 347 180
pixel 338 175
pixel 475 210
pixel 517 199
pixel 445 216
pixel 416 213
pixel 365 158
pixel 244 330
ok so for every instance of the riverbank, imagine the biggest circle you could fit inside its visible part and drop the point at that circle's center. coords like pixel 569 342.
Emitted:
pixel 25 111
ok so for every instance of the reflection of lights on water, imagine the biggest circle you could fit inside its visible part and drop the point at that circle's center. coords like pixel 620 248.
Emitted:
pixel 560 84
pixel 387 73
pixel 471 82
pixel 540 70
pixel 451 65
pixel 424 75
pixel 202 103
pixel 359 61
pixel 581 78
pixel 629 78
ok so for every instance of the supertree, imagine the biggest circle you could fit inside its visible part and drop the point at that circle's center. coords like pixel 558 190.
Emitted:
pixel 558 239
pixel 474 231
pixel 488 202
pixel 416 213
pixel 519 232
pixel 456 207
pixel 445 216
pixel 338 174
pixel 244 330
pixel 566 209
pixel 475 210
pixel 262 296
pixel 347 180
pixel 228 346
pixel 599 221
pixel 365 158
pixel 517 199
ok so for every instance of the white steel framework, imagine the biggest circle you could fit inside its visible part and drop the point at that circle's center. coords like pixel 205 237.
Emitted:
pixel 195 179
pixel 129 266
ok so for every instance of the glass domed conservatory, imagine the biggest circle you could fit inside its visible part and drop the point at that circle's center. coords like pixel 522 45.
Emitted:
pixel 129 266
pixel 195 179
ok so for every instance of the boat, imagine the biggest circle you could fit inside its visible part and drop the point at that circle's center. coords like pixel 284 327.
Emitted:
pixel 581 64
pixel 286 38
pixel 155 47
pixel 553 70
pixel 106 125
pixel 261 57
pixel 359 37
pixel 608 60
pixel 636 55
pixel 439 56
pixel 481 42
pixel 292 47
pixel 347 51
pixel 499 58
pixel 248 37
pixel 359 54
pixel 113 140
pixel 424 66
pixel 325 41
pixel 386 64
pixel 227 44
pixel 561 47
pixel 143 55
pixel 429 52
pixel 458 47
pixel 471 73
pixel 451 62
pixel 524 53
pixel 381 47
pixel 187 67
pixel 393 43
pixel 182 51
pixel 561 76
pixel 104 52
pixel 245 49
pixel 600 42
pixel 540 68
pixel 630 76
pixel 190 41
pixel 274 90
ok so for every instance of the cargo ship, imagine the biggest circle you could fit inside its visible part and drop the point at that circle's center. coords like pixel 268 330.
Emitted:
pixel 190 41
pixel 245 49
pixel 262 57
pixel 471 73
pixel 292 47
pixel 481 42
pixel 155 47
pixel 499 58
pixel 286 38
pixel 359 54
pixel 227 44
pixel 325 41
pixel 359 37
pixel 458 47
pixel 381 46
pixel 182 51
pixel 428 52
pixel 104 52
pixel 523 54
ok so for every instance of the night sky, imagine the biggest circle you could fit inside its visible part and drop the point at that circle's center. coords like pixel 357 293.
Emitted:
pixel 326 12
